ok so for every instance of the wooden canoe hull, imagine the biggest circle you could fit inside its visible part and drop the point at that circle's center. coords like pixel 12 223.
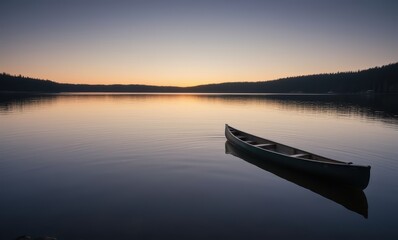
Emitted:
pixel 353 175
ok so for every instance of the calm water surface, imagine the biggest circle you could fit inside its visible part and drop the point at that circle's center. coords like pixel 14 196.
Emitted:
pixel 153 166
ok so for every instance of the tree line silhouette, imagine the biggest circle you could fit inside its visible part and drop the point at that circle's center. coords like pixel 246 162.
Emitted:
pixel 374 80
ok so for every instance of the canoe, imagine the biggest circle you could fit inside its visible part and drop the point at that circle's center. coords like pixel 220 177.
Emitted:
pixel 352 175
pixel 353 199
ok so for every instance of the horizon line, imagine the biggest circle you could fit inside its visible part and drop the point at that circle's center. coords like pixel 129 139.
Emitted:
pixel 205 84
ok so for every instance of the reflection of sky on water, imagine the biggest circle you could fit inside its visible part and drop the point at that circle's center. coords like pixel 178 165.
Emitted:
pixel 373 107
pixel 155 166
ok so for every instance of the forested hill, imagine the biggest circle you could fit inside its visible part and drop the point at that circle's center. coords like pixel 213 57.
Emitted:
pixel 26 84
pixel 379 80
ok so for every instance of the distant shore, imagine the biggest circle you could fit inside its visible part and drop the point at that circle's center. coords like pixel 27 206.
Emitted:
pixel 374 80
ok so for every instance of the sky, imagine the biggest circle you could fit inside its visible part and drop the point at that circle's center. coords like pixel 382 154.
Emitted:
pixel 186 43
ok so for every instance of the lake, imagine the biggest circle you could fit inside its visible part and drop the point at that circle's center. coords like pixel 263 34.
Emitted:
pixel 157 166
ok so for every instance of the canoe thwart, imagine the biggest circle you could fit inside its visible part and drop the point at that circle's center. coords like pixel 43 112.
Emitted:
pixel 264 145
pixel 300 155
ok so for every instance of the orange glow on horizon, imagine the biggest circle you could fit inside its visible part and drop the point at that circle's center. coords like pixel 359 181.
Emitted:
pixel 178 79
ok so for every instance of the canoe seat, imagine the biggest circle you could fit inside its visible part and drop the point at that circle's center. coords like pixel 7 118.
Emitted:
pixel 264 145
pixel 250 142
pixel 300 155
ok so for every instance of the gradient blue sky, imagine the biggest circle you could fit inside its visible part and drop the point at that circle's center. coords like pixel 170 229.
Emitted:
pixel 193 42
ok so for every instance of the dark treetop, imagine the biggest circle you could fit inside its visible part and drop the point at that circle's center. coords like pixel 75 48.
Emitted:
pixel 375 80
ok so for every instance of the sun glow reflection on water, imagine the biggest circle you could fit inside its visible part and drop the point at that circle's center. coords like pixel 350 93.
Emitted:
pixel 95 166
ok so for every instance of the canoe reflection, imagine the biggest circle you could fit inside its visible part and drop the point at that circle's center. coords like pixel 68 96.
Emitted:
pixel 351 198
